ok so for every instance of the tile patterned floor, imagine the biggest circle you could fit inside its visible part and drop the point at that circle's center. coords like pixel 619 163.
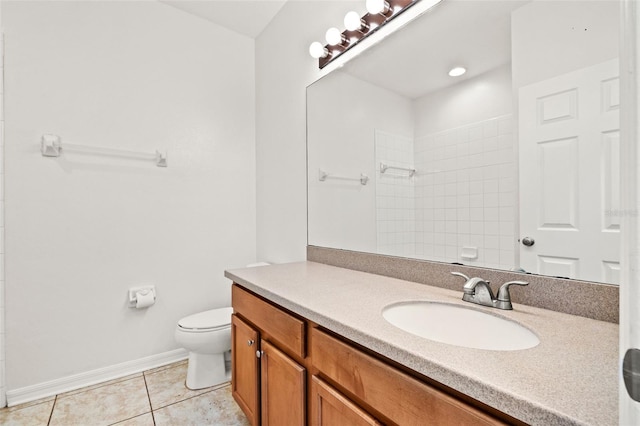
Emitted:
pixel 155 397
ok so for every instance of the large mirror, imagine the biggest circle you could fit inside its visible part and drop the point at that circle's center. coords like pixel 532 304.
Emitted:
pixel 512 165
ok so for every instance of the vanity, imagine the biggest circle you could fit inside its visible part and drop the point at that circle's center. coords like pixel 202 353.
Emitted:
pixel 412 174
pixel 311 346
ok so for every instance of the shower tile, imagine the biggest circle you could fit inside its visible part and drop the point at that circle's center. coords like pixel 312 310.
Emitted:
pixel 102 405
pixel 30 414
pixel 167 386
pixel 214 407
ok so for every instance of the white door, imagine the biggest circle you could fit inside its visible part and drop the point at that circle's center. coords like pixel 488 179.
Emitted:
pixel 569 175
pixel 630 286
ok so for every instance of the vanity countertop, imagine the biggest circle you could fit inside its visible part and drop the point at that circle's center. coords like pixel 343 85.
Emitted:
pixel 570 378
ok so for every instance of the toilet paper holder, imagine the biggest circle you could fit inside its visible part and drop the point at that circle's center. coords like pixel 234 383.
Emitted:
pixel 143 291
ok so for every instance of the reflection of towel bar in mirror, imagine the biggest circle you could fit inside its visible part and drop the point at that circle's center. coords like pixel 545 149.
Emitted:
pixel 384 167
pixel 322 176
pixel 51 146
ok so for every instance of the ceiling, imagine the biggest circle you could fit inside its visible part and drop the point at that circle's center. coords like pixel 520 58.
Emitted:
pixel 247 17
pixel 470 33
pixel 416 60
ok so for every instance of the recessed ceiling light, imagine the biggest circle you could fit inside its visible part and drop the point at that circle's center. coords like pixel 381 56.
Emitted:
pixel 457 71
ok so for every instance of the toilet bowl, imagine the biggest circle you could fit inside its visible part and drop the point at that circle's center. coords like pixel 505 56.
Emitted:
pixel 207 337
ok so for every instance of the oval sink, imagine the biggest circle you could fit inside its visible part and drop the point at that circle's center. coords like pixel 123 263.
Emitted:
pixel 460 326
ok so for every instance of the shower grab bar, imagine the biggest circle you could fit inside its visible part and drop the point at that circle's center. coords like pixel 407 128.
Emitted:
pixel 51 146
pixel 384 167
pixel 322 176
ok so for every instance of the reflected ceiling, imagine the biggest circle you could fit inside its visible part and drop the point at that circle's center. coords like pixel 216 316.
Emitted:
pixel 480 47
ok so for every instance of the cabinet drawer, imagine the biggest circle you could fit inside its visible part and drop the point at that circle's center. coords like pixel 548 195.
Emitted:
pixel 275 324
pixel 401 398
pixel 329 408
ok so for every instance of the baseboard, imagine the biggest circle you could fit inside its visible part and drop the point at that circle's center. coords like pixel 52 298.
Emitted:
pixel 77 381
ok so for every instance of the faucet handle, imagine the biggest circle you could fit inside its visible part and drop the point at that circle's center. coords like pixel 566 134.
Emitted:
pixel 503 292
pixel 460 274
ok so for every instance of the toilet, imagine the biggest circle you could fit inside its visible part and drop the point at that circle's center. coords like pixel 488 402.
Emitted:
pixel 207 337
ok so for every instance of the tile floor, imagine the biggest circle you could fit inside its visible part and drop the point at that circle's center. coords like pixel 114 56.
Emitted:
pixel 154 397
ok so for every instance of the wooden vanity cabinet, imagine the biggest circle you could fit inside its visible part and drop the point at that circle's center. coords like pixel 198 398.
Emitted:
pixel 283 388
pixel 399 397
pixel 245 368
pixel 329 407
pixel 268 384
pixel 306 375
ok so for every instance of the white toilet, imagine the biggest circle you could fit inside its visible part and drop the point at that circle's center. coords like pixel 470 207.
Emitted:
pixel 207 337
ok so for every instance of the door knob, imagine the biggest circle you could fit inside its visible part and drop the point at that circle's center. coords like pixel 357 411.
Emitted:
pixel 250 342
pixel 631 373
pixel 528 241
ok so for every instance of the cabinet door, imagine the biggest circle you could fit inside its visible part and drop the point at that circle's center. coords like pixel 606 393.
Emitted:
pixel 245 368
pixel 283 388
pixel 330 408
pixel 401 398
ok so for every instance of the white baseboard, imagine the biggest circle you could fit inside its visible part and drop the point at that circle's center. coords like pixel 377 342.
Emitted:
pixel 77 381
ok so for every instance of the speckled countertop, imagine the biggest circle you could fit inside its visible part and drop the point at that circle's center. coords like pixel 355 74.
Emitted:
pixel 570 378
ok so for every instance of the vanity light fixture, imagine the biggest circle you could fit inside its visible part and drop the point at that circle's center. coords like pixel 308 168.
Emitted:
pixel 353 22
pixel 359 27
pixel 378 6
pixel 334 37
pixel 457 71
pixel 318 51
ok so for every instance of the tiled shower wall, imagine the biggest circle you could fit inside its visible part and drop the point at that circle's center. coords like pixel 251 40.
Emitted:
pixel 460 206
pixel 466 194
pixel 395 198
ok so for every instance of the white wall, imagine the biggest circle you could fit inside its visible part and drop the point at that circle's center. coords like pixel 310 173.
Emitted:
pixel 82 229
pixel 343 114
pixel 552 38
pixel 283 71
pixel 471 100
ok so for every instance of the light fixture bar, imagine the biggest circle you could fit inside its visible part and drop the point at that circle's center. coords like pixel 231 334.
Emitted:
pixel 369 23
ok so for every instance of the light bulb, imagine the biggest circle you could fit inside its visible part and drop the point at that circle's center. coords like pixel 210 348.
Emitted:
pixel 377 6
pixel 457 71
pixel 317 50
pixel 333 36
pixel 352 21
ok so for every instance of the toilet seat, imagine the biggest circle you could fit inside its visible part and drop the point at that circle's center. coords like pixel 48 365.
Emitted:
pixel 214 319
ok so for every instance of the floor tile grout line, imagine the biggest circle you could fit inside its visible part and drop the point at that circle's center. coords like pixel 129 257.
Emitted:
pixel 127 419
pixel 194 396
pixel 144 377
pixel 53 407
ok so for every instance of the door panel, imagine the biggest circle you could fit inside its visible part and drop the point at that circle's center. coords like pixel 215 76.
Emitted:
pixel 280 375
pixel 245 368
pixel 569 174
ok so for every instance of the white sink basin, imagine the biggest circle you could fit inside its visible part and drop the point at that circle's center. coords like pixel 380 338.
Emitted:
pixel 460 326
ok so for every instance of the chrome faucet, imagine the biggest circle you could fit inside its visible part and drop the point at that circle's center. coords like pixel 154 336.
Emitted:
pixel 478 291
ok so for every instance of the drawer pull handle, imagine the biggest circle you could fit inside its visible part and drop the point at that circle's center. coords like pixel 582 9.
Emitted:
pixel 259 354
pixel 250 342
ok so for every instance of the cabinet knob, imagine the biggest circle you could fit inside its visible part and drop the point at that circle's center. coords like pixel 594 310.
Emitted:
pixel 259 354
pixel 250 342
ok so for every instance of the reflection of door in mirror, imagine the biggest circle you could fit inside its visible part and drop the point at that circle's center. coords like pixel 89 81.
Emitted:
pixel 568 107
pixel 565 122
